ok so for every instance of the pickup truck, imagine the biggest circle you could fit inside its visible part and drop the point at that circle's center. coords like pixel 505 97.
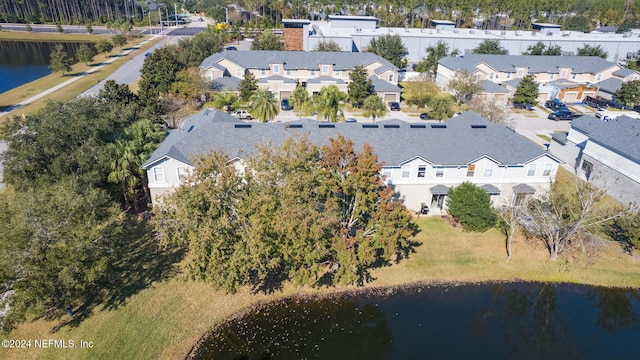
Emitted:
pixel 242 115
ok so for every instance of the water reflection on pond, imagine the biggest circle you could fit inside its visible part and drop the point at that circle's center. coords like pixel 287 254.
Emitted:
pixel 486 321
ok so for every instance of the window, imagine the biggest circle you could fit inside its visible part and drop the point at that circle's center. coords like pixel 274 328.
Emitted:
pixel 573 76
pixel 276 69
pixel 547 169
pixel 312 72
pixel 325 69
pixel 471 169
pixel 520 73
pixel 587 167
pixel 552 76
pixel 508 75
pixel 239 72
pixel 387 174
pixel 422 170
pixel 263 72
pixel 390 77
pixel 598 77
pixel 563 74
pixel 182 173
pixel 488 170
pixel 532 170
pixel 491 76
pixel 337 73
pixel 158 174
pixel 289 72
pixel 439 171
pixel 406 171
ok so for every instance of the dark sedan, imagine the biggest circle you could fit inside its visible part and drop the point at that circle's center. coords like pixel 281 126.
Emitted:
pixel 563 115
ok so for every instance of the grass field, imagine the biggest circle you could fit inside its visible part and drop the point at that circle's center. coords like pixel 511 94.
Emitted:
pixel 163 316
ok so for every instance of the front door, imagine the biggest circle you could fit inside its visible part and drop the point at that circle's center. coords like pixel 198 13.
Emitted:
pixel 437 200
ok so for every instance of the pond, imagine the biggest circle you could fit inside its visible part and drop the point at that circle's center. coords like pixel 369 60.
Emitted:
pixel 24 61
pixel 479 321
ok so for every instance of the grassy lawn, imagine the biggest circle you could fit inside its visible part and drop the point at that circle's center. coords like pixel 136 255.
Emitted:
pixel 161 315
pixel 544 137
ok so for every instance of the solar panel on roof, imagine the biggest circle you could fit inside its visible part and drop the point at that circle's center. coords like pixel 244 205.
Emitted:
pixel 326 126
pixel 438 126
pixel 297 126
pixel 391 126
pixel 478 126
pixel 369 126
pixel 191 128
pixel 418 126
pixel 242 126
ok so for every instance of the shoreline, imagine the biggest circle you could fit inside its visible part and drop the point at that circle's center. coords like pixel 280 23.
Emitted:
pixel 378 291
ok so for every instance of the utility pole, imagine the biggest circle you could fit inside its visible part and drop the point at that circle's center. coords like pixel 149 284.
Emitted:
pixel 160 15
pixel 175 12
pixel 226 13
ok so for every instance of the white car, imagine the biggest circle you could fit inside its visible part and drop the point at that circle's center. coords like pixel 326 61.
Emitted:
pixel 242 115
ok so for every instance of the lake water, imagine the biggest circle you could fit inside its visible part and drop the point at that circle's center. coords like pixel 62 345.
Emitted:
pixel 22 62
pixel 486 321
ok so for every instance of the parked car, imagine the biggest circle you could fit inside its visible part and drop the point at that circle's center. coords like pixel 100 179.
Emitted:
pixel 285 105
pixel 231 48
pixel 351 120
pixel 555 105
pixel 424 116
pixel 394 106
pixel 242 115
pixel 563 115
pixel 525 106
pixel 595 102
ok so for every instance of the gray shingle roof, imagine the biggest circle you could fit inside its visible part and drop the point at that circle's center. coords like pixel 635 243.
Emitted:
pixel 383 86
pixel 535 64
pixel 564 84
pixel 610 85
pixel 624 72
pixel 439 190
pixel 276 78
pixel 294 60
pixel 524 189
pixel 457 144
pixel 492 88
pixel 490 189
pixel 224 83
pixel 621 134
pixel 320 79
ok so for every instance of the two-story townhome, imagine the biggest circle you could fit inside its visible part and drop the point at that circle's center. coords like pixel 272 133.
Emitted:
pixel 606 153
pixel 421 161
pixel 279 70
pixel 568 78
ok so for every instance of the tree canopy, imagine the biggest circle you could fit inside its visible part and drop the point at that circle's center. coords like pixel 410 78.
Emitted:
pixel 464 86
pixel 540 48
pixel 629 93
pixel 490 47
pixel 359 86
pixel 247 86
pixel 267 41
pixel 329 103
pixel 327 46
pixel 471 205
pixel 526 91
pixel 265 105
pixel 373 106
pixel 60 60
pixel 429 64
pixel 588 50
pixel 312 215
pixel 391 48
pixel 419 92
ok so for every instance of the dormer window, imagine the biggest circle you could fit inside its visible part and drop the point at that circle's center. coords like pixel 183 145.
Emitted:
pixel 390 77
pixel 263 72
pixel 276 69
pixel 312 72
pixel 325 69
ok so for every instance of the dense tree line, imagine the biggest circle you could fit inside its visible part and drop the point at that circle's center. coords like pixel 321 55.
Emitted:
pixel 73 171
pixel 67 11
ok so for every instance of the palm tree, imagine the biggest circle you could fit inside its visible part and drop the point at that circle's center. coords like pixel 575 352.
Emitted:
pixel 299 97
pixel 264 104
pixel 329 102
pixel 374 107
pixel 226 101
pixel 137 143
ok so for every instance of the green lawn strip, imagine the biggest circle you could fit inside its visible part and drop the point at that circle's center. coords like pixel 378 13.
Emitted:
pixel 544 137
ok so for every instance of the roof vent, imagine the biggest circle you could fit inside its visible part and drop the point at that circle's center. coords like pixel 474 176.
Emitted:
pixel 191 128
pixel 242 126
pixel 326 125
pixel 438 126
pixel 392 126
pixel 418 126
pixel 369 126
pixel 478 126
pixel 294 126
